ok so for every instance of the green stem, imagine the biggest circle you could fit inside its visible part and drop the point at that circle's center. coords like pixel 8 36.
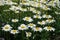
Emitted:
pixel 22 35
pixel 27 38
pixel 14 37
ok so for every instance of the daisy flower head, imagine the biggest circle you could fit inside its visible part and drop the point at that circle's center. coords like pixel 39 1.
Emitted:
pixel 28 34
pixel 42 22
pixel 43 1
pixel 15 20
pixel 49 28
pixel 46 16
pixel 24 3
pixel 9 2
pixel 32 9
pixel 22 27
pixel 2 2
pixel 39 5
pixel 29 19
pixel 52 3
pixel 23 9
pixel 14 8
pixel 16 11
pixel 37 29
pixel 46 8
pixel 7 27
pixel 50 20
pixel 37 16
pixel 36 12
pixel 36 4
pixel 14 31
pixel 31 25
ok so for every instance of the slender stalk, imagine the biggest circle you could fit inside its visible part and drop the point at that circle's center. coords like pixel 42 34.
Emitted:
pixel 22 35
pixel 27 38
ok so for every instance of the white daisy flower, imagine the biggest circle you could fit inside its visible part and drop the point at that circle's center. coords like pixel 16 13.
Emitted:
pixel 42 22
pixel 52 3
pixel 37 16
pixel 29 19
pixel 14 31
pixel 7 27
pixel 38 12
pixel 24 2
pixel 57 12
pixel 31 3
pixel 50 20
pixel 28 34
pixel 46 16
pixel 31 25
pixel 37 29
pixel 2 2
pixel 9 2
pixel 23 9
pixel 23 27
pixel 34 11
pixel 43 1
pixel 31 9
pixel 35 4
pixel 45 7
pixel 38 4
pixel 15 20
pixel 16 11
pixel 14 8
pixel 49 28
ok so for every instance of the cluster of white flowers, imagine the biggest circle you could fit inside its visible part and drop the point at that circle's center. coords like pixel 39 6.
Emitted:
pixel 15 20
pixel 43 16
pixel 7 27
pixel 17 8
pixel 46 21
pixel 39 3
pixel 31 3
pixel 1 2
pixel 37 15
pixel 7 2
pixel 31 25
pixel 28 34
pixel 46 16
pixel 29 19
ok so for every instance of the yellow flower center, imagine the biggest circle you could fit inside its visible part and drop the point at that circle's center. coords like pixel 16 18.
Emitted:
pixel 7 27
pixel 49 20
pixel 37 28
pixel 49 27
pixel 44 0
pixel 27 18
pixel 23 1
pixel 37 16
pixel 46 9
pixel 29 33
pixel 14 30
pixel 40 22
pixel 31 24
pixel 22 26
pixel 15 20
